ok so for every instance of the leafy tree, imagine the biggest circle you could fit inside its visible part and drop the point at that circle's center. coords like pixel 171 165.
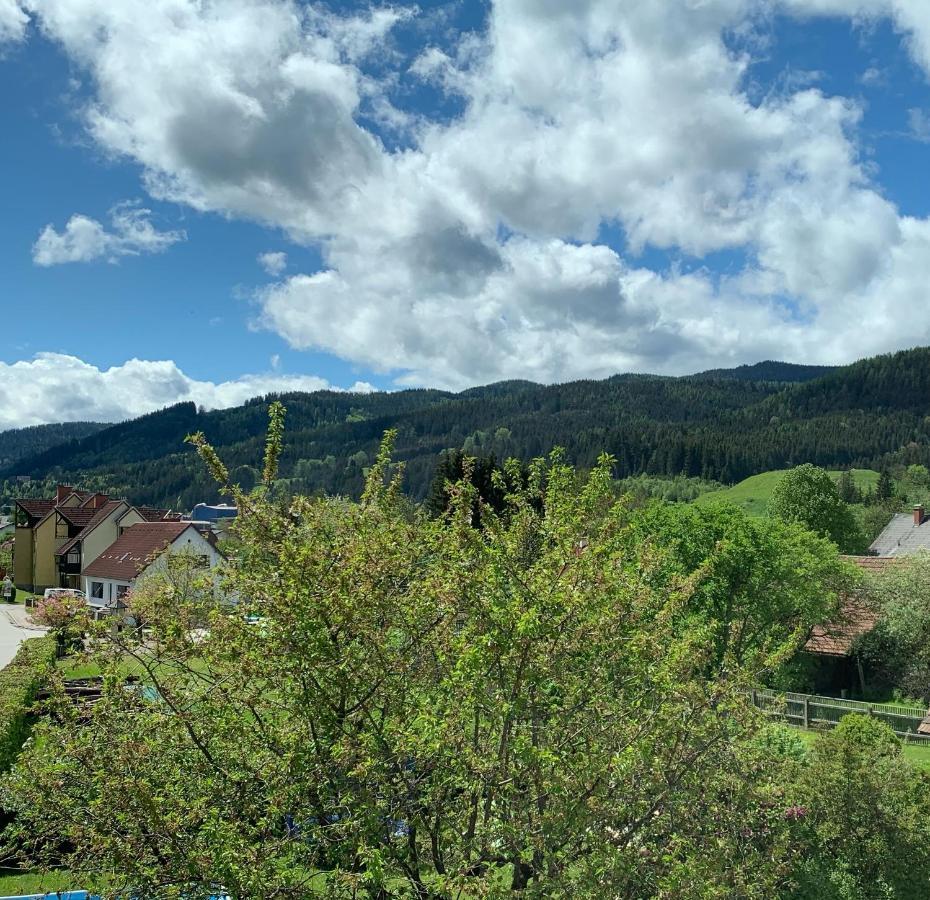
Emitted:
pixel 757 586
pixel 808 496
pixel 411 707
pixel 864 810
pixel 898 648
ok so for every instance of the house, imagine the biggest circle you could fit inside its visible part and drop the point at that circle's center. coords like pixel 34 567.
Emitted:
pixel 41 526
pixel 82 549
pixel 141 548
pixel 832 646
pixel 56 538
pixel 905 535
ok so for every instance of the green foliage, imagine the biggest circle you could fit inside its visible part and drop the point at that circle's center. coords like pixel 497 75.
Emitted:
pixel 867 834
pixel 754 494
pixel 884 490
pixel 757 585
pixel 672 489
pixel 401 706
pixel 808 496
pixel 19 683
pixel 847 489
pixel 782 742
pixel 898 648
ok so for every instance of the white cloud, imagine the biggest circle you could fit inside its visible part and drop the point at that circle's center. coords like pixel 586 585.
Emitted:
pixel 84 239
pixel 274 263
pixel 54 387
pixel 473 253
pixel 13 21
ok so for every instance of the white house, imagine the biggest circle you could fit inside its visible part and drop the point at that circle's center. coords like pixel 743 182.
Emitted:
pixel 139 548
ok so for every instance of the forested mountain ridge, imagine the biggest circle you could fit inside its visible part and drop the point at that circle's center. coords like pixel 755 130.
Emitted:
pixel 19 443
pixel 716 425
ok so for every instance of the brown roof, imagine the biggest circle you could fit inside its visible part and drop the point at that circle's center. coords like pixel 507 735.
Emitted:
pixel 857 617
pixel 36 509
pixel 153 514
pixel 77 515
pixel 100 515
pixel 131 552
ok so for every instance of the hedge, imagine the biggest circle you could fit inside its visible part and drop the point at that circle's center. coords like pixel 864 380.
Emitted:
pixel 20 681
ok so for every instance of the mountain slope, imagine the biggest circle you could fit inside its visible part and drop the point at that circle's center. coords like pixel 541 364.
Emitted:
pixel 713 425
pixel 20 443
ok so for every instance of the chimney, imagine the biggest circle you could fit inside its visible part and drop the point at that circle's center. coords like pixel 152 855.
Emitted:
pixel 918 515
pixel 64 491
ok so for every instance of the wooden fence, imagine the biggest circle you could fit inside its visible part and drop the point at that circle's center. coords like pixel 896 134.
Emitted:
pixel 809 711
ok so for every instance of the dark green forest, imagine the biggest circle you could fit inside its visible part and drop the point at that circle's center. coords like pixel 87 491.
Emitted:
pixel 722 425
pixel 20 443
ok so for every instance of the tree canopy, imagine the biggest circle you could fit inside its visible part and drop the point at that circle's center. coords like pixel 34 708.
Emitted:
pixel 380 703
pixel 807 495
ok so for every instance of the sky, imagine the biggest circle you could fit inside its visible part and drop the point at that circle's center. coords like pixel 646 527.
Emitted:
pixel 211 200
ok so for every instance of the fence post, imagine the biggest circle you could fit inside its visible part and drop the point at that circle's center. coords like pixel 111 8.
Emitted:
pixel 807 715
pixel 754 703
pixel 871 711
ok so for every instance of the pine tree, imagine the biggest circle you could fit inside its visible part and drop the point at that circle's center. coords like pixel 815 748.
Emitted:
pixel 884 490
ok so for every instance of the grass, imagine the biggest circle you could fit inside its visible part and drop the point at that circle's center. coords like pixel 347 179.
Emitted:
pixel 34 883
pixel 752 495
pixel 918 754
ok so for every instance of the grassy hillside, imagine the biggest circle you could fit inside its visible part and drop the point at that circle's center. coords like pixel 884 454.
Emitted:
pixel 753 494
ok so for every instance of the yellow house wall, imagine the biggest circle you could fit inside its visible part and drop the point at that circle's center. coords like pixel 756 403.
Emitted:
pixel 22 557
pixel 131 518
pixel 102 536
pixel 47 540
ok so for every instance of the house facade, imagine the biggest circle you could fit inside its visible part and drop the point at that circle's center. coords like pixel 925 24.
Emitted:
pixel 141 549
pixel 41 526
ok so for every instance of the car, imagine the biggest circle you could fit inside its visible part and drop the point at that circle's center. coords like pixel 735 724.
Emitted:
pixel 64 592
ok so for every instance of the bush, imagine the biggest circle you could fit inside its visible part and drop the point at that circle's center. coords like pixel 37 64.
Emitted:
pixel 20 681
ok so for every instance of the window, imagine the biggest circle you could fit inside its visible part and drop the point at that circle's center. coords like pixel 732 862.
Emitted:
pixel 121 591
pixel 96 590
pixel 74 557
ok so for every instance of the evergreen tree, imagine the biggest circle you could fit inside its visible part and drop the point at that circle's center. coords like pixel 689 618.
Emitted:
pixel 847 489
pixel 884 490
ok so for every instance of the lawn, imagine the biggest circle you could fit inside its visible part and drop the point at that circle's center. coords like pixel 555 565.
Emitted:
pixel 918 754
pixel 753 494
pixel 17 885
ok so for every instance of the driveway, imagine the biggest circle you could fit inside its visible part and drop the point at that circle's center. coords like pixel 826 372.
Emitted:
pixel 15 627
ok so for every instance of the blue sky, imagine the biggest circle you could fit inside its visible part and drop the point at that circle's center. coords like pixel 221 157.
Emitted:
pixel 464 192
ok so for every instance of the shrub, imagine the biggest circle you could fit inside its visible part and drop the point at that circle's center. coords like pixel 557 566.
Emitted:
pixel 20 681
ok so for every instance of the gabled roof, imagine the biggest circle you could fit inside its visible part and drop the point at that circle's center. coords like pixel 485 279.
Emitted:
pixel 102 514
pixel 154 514
pixel 134 549
pixel 856 618
pixel 901 537
pixel 36 509
pixel 77 515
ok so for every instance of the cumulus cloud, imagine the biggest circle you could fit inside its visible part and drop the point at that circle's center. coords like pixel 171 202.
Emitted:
pixel 13 21
pixel 273 262
pixel 476 251
pixel 84 239
pixel 55 387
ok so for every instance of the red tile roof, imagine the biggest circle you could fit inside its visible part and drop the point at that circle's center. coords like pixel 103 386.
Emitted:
pixel 857 617
pixel 100 515
pixel 132 551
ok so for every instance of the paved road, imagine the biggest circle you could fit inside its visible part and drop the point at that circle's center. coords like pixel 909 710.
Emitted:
pixel 15 627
